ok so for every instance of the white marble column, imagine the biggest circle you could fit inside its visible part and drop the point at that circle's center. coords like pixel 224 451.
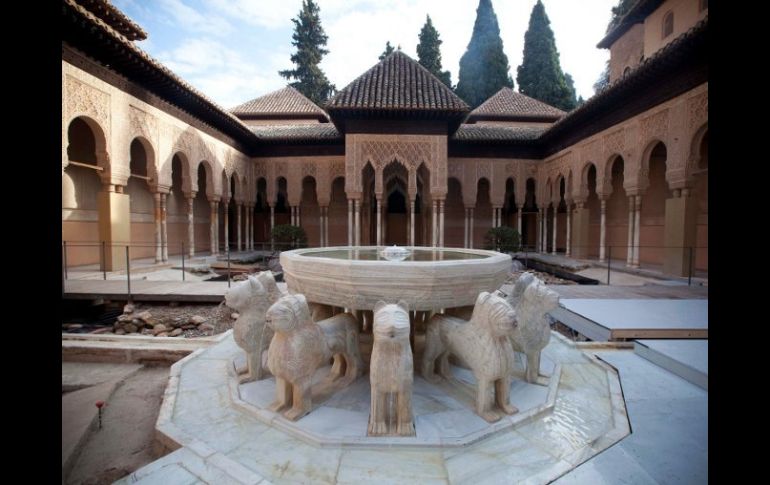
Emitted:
pixel 518 221
pixel 272 225
pixel 441 223
pixel 434 224
pixel 603 230
pixel 465 239
pixel 216 227
pixel 321 228
pixel 191 225
pixel 213 226
pixel 158 229
pixel 569 230
pixel 357 221
pixel 350 222
pixel 411 220
pixel 555 232
pixel 238 217
pixel 637 229
pixel 539 242
pixel 379 221
pixel 470 229
pixel 326 226
pixel 630 245
pixel 164 225
pixel 227 224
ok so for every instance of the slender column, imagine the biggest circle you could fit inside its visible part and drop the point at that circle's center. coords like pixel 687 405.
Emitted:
pixel 434 224
pixel 603 230
pixel 465 238
pixel 326 226
pixel 357 222
pixel 441 223
pixel 238 217
pixel 299 222
pixel 213 226
pixel 250 227
pixel 216 227
pixel 350 222
pixel 272 225
pixel 518 221
pixel 321 226
pixel 246 226
pixel 555 218
pixel 164 225
pixel 569 230
pixel 470 229
pixel 379 221
pixel 411 220
pixel 539 242
pixel 630 245
pixel 158 230
pixel 637 229
pixel 227 224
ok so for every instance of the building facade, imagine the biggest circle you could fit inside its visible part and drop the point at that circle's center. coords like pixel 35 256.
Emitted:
pixel 393 158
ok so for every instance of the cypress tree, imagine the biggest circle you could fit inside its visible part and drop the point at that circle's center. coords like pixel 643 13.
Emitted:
pixel 540 75
pixel 571 86
pixel 309 39
pixel 388 49
pixel 484 66
pixel 429 52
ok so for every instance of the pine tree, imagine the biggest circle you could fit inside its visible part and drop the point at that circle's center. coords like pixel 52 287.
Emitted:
pixel 388 49
pixel 484 66
pixel 571 86
pixel 429 52
pixel 540 75
pixel 309 39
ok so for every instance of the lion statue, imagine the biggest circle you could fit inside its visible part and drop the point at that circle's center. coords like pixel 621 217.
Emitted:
pixel 251 300
pixel 391 371
pixel 300 346
pixel 483 343
pixel 533 300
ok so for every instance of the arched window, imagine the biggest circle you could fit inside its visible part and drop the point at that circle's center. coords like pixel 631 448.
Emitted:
pixel 668 24
pixel 704 4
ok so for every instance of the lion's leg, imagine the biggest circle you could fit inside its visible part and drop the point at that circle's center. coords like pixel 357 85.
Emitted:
pixel 373 411
pixel 443 366
pixel 380 426
pixel 483 400
pixel 503 395
pixel 303 402
pixel 533 366
pixel 253 369
pixel 405 425
pixel 338 367
pixel 282 395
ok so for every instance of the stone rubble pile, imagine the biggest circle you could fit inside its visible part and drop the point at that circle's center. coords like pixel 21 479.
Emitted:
pixel 132 322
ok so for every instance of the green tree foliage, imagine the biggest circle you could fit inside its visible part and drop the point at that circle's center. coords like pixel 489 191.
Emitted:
pixel 287 236
pixel 503 239
pixel 429 52
pixel 309 39
pixel 618 12
pixel 484 66
pixel 388 50
pixel 540 75
pixel 571 85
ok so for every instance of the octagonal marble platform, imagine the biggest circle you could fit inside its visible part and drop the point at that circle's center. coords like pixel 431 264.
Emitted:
pixel 221 434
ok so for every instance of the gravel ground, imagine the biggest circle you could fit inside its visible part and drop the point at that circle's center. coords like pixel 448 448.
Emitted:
pixel 547 278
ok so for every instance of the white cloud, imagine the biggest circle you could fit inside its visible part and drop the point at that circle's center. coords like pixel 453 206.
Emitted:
pixel 188 18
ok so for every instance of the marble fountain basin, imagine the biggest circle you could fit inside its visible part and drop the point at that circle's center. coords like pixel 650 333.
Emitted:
pixel 358 277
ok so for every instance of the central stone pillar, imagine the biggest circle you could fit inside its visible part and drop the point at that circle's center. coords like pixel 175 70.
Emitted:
pixel 603 230
pixel 158 229
pixel 569 231
pixel 272 225
pixel 637 230
pixel 191 224
pixel 164 224
pixel 379 220
pixel 540 230
pixel 114 225
pixel 470 230
pixel 465 239
pixel 357 228
pixel 555 218
pixel 580 229
pixel 679 233
pixel 350 222
pixel 412 198
pixel 238 224
pixel 441 223
pixel 630 245
pixel 212 226
pixel 227 225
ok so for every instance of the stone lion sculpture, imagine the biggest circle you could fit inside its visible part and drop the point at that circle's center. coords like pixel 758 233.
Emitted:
pixel 483 344
pixel 533 300
pixel 251 300
pixel 300 346
pixel 391 371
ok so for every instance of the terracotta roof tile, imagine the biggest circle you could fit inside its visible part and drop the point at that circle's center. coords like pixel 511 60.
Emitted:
pixel 497 133
pixel 289 133
pixel 286 101
pixel 115 18
pixel 507 103
pixel 398 82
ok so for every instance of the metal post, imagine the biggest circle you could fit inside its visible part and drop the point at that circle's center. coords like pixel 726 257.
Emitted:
pixel 65 259
pixel 609 259
pixel 128 273
pixel 689 277
pixel 182 261
pixel 228 268
pixel 104 260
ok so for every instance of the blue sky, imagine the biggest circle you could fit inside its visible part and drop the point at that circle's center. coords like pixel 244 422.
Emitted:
pixel 232 50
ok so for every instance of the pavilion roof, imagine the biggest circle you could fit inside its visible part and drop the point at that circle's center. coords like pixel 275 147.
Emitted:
pixel 508 104
pixel 286 102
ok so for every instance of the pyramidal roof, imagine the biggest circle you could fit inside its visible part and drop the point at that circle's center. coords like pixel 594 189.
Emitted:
pixel 286 102
pixel 508 104
pixel 397 83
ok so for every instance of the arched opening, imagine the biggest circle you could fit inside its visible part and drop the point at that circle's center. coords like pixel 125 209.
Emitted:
pixel 668 25
pixel 509 211
pixel 549 215
pixel 594 212
pixel 176 206
pixel 202 209
pixel 261 213
pixel 338 214
pixel 653 213
pixel 423 209
pixel 561 216
pixel 454 215
pixel 617 213
pixel 282 209
pixel 529 216
pixel 232 212
pixel 368 207
pixel 396 198
pixel 141 200
pixel 702 196
pixel 223 206
pixel 482 213
pixel 80 185
pixel 310 212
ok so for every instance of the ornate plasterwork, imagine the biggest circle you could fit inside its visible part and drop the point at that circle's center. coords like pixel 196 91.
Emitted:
pixel 336 169
pixel 308 169
pixel 143 124
pixel 182 141
pixel 86 100
pixel 614 143
pixel 484 170
pixel 697 110
pixel 655 126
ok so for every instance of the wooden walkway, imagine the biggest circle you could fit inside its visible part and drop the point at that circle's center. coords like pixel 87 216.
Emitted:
pixel 189 291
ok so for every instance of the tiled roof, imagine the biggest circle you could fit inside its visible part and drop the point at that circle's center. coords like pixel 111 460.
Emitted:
pixel 296 133
pixel 114 18
pixel 495 133
pixel 398 82
pixel 507 103
pixel 286 101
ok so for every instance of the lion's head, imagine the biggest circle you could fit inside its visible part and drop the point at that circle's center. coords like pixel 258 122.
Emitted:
pixel 288 313
pixel 268 281
pixel 495 313
pixel 245 294
pixel 391 321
